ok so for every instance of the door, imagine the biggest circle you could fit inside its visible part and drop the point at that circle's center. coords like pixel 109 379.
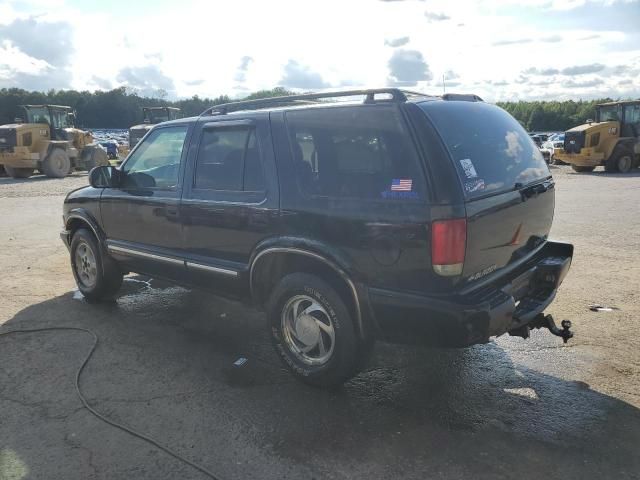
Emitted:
pixel 140 217
pixel 631 125
pixel 59 121
pixel 230 201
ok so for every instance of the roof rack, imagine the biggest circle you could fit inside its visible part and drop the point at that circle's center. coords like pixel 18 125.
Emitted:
pixel 397 95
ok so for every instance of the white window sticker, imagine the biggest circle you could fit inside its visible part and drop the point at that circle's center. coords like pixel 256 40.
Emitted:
pixel 469 169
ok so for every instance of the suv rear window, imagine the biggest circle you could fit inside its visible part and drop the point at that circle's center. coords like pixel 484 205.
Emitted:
pixel 360 152
pixel 491 151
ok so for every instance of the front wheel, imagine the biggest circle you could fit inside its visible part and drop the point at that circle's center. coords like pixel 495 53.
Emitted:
pixel 97 277
pixel 57 164
pixel 621 160
pixel 312 331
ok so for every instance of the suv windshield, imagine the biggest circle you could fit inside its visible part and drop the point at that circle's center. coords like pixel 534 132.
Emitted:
pixel 490 149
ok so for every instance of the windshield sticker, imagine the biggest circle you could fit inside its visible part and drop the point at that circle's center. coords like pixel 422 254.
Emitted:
pixel 401 185
pixel 469 169
pixel 474 185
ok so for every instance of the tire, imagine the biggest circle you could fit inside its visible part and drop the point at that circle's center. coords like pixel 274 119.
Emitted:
pixel 94 157
pixel 580 169
pixel 97 277
pixel 57 164
pixel 326 352
pixel 621 160
pixel 18 172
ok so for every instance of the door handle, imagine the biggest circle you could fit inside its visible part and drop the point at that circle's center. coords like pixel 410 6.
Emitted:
pixel 171 212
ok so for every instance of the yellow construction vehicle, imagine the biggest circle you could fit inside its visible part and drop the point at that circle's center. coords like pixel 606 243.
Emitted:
pixel 612 140
pixel 152 116
pixel 47 140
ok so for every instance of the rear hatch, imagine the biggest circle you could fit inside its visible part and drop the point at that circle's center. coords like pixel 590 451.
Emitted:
pixel 508 189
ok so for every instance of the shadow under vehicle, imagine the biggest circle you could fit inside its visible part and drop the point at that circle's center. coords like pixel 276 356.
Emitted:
pixel 47 140
pixel 507 409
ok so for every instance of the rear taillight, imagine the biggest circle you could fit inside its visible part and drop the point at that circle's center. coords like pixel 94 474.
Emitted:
pixel 448 245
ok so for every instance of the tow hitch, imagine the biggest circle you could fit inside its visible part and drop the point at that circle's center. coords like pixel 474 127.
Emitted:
pixel 545 321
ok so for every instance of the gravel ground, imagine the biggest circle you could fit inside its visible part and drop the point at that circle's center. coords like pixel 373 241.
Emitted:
pixel 509 409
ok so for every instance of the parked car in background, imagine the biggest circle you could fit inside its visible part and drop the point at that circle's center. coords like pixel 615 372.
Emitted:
pixel 402 217
pixel 547 149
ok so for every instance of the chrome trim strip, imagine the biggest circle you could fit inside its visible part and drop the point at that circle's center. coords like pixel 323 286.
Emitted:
pixel 209 268
pixel 342 273
pixel 137 253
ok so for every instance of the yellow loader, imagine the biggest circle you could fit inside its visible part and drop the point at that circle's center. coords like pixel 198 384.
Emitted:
pixel 612 140
pixel 47 140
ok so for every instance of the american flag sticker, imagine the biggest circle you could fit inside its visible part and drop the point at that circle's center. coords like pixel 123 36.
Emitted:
pixel 401 185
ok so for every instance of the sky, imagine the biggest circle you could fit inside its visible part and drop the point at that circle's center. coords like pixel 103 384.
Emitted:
pixel 500 50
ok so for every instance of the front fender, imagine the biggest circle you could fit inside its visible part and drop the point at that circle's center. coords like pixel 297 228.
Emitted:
pixel 79 217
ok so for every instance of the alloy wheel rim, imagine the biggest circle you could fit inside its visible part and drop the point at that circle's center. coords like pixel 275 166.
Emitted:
pixel 308 330
pixel 85 265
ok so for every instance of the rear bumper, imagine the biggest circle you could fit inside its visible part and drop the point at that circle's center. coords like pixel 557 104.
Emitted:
pixel 510 302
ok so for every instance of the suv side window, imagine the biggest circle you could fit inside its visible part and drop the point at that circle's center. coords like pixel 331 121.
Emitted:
pixel 229 160
pixel 156 161
pixel 362 152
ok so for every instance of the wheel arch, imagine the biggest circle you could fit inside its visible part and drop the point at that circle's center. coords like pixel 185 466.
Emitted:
pixel 273 262
pixel 81 218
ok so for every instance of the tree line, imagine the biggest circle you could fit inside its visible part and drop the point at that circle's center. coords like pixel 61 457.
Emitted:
pixel 117 108
pixel 553 115
pixel 120 108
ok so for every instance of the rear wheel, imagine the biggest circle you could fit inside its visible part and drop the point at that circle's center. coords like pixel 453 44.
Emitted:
pixel 57 164
pixel 18 172
pixel 580 169
pixel 97 277
pixel 313 332
pixel 621 160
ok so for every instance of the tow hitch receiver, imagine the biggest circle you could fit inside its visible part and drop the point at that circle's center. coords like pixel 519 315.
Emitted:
pixel 545 321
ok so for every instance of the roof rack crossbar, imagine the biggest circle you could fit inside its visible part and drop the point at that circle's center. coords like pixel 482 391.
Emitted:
pixel 397 95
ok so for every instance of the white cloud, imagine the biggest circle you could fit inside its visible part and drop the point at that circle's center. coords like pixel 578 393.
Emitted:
pixel 15 61
pixel 204 54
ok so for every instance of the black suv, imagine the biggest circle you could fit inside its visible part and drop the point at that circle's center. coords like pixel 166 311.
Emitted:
pixel 399 216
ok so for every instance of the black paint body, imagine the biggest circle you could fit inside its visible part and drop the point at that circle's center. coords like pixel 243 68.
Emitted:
pixel 382 247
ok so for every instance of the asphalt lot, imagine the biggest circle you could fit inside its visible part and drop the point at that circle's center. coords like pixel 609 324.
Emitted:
pixel 513 408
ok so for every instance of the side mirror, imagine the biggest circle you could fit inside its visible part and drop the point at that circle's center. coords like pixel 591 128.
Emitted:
pixel 105 176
